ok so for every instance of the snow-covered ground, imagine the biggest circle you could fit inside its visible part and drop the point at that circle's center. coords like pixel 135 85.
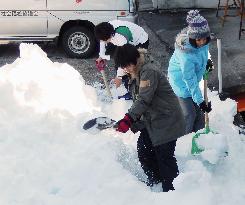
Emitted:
pixel 47 159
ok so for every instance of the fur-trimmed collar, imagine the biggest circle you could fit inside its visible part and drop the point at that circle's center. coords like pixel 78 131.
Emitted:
pixel 182 42
pixel 144 58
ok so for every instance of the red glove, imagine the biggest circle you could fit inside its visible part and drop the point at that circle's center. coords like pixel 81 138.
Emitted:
pixel 100 65
pixel 124 124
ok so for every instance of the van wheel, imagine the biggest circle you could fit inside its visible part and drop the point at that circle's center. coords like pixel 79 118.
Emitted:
pixel 78 42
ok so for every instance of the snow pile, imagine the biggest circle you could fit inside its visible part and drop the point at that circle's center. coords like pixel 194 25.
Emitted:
pixel 47 159
pixel 35 81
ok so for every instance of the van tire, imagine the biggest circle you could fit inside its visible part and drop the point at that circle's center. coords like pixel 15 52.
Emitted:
pixel 78 42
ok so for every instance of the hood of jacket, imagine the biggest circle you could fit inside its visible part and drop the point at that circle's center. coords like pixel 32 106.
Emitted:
pixel 145 58
pixel 182 42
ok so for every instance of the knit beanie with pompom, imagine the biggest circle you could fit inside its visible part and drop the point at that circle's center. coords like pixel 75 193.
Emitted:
pixel 197 25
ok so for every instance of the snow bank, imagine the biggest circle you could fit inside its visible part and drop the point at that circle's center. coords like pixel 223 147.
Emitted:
pixel 47 159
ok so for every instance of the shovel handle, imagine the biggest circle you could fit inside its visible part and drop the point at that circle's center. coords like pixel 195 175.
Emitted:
pixel 206 101
pixel 106 83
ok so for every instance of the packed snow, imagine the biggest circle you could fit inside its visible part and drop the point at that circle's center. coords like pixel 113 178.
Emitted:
pixel 48 159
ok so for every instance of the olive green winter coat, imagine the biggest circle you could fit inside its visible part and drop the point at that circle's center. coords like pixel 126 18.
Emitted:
pixel 155 105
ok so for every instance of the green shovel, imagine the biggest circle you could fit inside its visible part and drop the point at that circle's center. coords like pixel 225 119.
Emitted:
pixel 195 149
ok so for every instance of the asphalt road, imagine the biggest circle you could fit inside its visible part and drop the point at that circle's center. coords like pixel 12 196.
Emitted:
pixel 167 24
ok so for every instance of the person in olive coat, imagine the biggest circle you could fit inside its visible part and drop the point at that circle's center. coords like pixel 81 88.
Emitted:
pixel 155 112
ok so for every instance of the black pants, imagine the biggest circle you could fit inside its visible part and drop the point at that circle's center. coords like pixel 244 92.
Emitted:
pixel 158 162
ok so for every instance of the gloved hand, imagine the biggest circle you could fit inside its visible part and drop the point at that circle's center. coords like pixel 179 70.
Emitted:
pixel 204 107
pixel 124 124
pixel 100 64
pixel 209 66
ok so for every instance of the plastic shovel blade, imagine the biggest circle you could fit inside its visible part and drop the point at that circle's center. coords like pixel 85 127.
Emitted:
pixel 195 149
pixel 100 123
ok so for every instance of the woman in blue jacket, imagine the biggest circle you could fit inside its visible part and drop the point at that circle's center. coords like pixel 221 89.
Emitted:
pixel 187 67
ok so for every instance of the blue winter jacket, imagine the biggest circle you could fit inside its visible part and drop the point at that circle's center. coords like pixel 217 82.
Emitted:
pixel 186 68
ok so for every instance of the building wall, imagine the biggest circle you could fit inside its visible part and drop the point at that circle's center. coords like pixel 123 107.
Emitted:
pixel 170 4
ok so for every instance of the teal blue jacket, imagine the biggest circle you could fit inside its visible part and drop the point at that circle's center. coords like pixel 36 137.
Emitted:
pixel 186 68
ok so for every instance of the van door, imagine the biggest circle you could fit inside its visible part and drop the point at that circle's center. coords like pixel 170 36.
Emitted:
pixel 25 18
pixel 95 11
pixel 77 19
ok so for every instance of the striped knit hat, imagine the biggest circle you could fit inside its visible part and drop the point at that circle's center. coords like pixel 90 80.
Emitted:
pixel 197 25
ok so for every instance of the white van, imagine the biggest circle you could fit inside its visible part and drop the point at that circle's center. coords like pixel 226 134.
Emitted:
pixel 69 22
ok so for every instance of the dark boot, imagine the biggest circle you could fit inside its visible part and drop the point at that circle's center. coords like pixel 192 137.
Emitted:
pixel 167 186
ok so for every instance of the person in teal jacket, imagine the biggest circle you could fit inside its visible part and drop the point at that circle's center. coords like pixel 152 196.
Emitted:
pixel 187 67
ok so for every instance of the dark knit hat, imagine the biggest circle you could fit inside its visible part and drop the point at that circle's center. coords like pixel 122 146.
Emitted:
pixel 197 25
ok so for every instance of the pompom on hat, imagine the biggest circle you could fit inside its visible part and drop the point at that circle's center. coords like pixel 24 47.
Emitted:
pixel 197 25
